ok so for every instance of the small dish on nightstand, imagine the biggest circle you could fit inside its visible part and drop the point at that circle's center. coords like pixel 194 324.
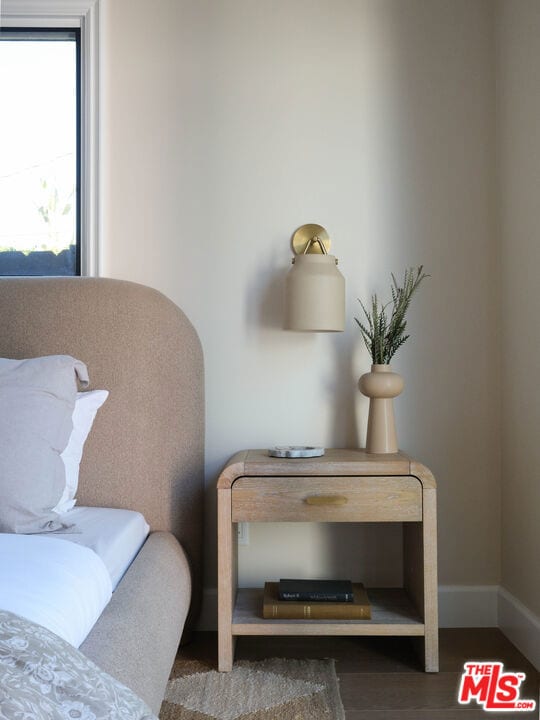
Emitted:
pixel 295 451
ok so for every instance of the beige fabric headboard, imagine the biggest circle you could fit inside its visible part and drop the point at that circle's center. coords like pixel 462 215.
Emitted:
pixel 146 449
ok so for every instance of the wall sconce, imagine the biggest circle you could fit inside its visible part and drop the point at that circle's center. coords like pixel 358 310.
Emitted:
pixel 315 289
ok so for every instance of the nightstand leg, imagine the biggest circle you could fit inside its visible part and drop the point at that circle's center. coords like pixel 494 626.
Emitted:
pixel 226 645
pixel 431 618
pixel 420 575
pixel 227 552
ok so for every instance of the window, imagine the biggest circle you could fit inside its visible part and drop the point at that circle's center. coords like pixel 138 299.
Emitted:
pixel 49 118
pixel 40 152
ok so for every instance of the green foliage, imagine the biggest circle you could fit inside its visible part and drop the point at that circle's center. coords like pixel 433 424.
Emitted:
pixel 384 335
pixel 52 210
pixel 53 206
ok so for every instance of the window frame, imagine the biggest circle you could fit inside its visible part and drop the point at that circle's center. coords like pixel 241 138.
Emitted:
pixel 84 15
pixel 41 33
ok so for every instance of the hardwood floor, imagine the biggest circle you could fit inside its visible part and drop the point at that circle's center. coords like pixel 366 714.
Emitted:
pixel 381 678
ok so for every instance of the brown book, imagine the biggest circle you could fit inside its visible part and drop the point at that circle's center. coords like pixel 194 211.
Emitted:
pixel 274 608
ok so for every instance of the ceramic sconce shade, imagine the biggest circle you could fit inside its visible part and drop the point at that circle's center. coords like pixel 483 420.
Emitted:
pixel 315 295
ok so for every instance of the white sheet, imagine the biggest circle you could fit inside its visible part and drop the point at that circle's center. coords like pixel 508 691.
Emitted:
pixel 115 535
pixel 58 584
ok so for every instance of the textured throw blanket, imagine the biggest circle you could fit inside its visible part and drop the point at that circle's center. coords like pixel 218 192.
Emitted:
pixel 42 677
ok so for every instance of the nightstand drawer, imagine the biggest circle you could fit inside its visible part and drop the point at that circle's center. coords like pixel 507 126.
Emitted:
pixel 327 499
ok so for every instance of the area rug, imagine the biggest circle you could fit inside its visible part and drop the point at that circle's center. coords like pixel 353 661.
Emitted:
pixel 274 689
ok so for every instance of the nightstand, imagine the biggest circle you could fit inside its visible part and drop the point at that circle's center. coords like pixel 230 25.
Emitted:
pixel 341 486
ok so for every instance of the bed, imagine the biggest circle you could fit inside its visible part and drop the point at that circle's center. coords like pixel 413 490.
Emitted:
pixel 145 452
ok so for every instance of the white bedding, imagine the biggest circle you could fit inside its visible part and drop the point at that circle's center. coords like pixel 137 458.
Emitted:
pixel 115 535
pixel 53 582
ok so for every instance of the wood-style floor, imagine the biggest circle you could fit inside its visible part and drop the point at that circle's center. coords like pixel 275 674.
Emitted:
pixel 381 678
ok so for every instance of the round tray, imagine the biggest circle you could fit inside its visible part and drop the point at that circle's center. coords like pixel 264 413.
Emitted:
pixel 295 451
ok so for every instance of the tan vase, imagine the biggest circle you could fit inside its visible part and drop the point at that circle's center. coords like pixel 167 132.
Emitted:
pixel 381 385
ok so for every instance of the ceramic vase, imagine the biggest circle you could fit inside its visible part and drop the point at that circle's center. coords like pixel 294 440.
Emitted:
pixel 381 385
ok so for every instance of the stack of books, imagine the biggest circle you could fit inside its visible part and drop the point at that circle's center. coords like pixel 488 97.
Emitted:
pixel 316 600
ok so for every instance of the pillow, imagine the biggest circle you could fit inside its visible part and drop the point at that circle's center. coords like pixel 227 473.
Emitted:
pixel 86 406
pixel 45 678
pixel 37 398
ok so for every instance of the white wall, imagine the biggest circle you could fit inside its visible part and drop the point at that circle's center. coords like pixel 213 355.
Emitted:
pixel 519 193
pixel 229 123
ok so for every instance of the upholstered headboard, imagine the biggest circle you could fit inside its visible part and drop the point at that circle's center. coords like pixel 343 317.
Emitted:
pixel 146 449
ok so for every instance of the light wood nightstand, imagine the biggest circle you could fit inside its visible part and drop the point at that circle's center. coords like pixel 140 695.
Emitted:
pixel 350 486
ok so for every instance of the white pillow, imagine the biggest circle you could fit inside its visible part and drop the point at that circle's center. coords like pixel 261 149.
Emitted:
pixel 37 398
pixel 86 406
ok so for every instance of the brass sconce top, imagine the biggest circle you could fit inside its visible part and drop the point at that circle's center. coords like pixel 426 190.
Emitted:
pixel 311 238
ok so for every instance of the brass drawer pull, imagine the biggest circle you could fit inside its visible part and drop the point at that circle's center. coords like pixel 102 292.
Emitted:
pixel 326 500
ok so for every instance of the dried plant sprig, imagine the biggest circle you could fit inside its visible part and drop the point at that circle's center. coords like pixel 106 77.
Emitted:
pixel 384 335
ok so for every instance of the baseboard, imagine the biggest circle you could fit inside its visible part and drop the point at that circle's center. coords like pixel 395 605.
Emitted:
pixel 459 606
pixel 520 625
pixel 468 606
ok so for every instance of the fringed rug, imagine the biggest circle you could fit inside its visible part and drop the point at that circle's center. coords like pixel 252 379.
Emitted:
pixel 274 689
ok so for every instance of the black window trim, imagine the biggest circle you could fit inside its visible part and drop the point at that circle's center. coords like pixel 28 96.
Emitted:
pixel 61 34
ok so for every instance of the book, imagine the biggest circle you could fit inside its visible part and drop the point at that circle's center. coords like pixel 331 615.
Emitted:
pixel 274 608
pixel 316 590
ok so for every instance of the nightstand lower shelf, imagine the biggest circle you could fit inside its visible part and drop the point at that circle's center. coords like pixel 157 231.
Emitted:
pixel 392 613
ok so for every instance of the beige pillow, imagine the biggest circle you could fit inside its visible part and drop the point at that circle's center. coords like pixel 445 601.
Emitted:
pixel 37 398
